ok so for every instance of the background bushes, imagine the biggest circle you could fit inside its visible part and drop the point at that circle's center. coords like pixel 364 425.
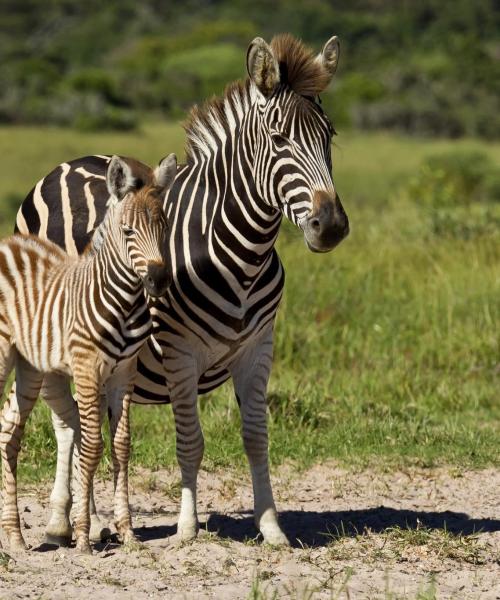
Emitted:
pixel 428 68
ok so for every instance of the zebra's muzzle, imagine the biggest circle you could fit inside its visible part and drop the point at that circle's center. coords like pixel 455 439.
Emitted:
pixel 327 225
pixel 157 279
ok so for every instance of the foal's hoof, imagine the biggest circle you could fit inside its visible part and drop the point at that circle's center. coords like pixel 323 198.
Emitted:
pixel 98 532
pixel 64 541
pixel 17 544
pixel 83 548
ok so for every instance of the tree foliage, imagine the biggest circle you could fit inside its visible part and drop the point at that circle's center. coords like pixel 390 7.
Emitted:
pixel 427 67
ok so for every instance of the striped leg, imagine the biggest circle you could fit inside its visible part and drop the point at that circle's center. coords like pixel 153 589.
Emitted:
pixel 183 389
pixel 98 530
pixel 119 395
pixel 14 416
pixel 88 398
pixel 57 393
pixel 250 377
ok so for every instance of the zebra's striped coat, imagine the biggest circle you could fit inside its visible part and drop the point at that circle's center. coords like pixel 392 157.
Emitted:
pixel 260 151
pixel 83 316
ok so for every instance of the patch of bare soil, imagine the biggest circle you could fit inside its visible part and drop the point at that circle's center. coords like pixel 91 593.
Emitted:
pixel 367 535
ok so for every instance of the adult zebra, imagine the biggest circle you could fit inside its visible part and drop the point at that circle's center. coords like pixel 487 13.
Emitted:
pixel 260 151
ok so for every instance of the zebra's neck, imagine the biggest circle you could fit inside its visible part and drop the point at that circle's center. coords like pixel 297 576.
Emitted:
pixel 216 206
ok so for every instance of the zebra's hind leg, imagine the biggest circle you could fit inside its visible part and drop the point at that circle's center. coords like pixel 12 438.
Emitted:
pixel 56 392
pixel 14 415
pixel 250 377
pixel 119 391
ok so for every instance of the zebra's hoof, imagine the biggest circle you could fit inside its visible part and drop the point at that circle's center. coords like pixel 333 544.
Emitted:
pixel 17 544
pixel 98 532
pixel 83 548
pixel 187 532
pixel 274 537
pixel 64 541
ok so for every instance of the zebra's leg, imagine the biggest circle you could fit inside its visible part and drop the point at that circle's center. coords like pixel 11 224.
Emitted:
pixel 88 395
pixel 250 377
pixel 14 416
pixel 119 394
pixel 99 531
pixel 183 389
pixel 56 392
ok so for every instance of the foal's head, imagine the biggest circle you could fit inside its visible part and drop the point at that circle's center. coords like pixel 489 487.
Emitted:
pixel 140 219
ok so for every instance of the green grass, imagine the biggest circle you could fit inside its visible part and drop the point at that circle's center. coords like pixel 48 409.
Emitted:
pixel 386 349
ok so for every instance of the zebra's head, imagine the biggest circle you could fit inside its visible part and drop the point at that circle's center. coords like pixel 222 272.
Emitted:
pixel 142 224
pixel 292 138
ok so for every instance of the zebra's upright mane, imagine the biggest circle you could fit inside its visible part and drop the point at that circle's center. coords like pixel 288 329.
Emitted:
pixel 210 121
pixel 300 71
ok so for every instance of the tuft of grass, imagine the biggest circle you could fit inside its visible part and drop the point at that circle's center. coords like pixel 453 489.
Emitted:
pixel 398 544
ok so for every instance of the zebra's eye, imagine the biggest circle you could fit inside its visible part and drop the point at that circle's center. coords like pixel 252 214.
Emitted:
pixel 280 141
pixel 128 231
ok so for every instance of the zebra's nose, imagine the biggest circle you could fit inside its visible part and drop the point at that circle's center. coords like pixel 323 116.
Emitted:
pixel 327 225
pixel 157 279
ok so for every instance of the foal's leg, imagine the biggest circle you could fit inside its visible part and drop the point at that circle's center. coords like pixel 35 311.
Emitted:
pixel 98 530
pixel 119 392
pixel 14 416
pixel 57 393
pixel 88 395
pixel 250 376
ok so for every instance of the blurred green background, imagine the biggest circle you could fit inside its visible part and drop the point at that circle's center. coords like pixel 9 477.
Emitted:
pixel 427 67
pixel 387 349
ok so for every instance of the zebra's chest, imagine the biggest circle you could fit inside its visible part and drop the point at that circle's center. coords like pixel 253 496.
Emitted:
pixel 213 328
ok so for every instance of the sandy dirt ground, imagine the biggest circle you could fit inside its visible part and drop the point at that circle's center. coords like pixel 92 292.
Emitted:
pixel 364 535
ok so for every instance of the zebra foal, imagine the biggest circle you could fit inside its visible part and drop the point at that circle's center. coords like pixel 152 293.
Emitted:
pixel 87 317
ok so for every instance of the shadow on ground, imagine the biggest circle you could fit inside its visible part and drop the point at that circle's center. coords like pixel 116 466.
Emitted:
pixel 316 529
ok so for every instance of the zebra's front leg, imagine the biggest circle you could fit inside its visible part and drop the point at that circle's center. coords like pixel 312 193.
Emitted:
pixel 14 416
pixel 88 395
pixel 189 445
pixel 119 395
pixel 99 531
pixel 250 378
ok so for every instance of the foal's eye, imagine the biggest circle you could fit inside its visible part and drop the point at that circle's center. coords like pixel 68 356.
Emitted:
pixel 128 231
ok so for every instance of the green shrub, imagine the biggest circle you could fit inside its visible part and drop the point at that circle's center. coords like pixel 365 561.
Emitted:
pixel 459 193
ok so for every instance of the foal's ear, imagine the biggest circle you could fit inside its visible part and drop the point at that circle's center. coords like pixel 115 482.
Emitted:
pixel 119 178
pixel 329 57
pixel 165 172
pixel 262 66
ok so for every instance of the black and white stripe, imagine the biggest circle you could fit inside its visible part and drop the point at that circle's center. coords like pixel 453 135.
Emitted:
pixel 83 316
pixel 260 151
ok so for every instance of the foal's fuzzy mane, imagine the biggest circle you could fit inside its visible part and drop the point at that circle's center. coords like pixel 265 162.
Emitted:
pixel 299 70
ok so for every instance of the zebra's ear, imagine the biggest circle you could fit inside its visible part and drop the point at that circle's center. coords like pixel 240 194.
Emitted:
pixel 329 57
pixel 166 171
pixel 119 178
pixel 262 66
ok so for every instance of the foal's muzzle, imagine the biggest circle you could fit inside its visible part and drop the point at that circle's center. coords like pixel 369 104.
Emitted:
pixel 327 224
pixel 157 279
